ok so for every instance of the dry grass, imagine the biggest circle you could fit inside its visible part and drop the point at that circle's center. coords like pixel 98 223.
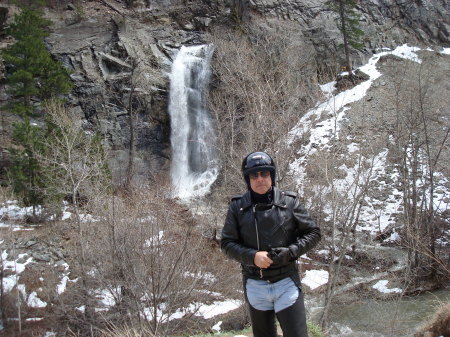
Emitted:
pixel 439 324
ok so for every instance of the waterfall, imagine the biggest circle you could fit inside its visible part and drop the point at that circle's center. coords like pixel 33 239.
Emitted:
pixel 194 158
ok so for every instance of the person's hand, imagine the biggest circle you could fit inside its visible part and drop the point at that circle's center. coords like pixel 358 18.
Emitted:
pixel 281 255
pixel 262 259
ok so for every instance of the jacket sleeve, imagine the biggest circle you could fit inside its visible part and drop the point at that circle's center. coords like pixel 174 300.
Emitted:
pixel 231 240
pixel 308 234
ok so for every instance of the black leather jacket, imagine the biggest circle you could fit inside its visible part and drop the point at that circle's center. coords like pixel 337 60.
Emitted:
pixel 284 223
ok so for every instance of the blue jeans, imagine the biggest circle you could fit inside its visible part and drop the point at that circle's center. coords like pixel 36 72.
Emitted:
pixel 277 296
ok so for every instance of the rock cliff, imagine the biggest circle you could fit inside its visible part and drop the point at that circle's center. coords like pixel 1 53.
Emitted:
pixel 120 57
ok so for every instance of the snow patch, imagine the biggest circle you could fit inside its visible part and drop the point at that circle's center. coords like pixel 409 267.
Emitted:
pixel 328 88
pixel 407 52
pixel 35 302
pixel 315 278
pixel 216 327
pixel 10 281
pixel 49 334
pixel 199 309
pixel 155 240
pixel 323 252
pixel 395 237
pixel 12 209
pixel 381 286
pixel 61 287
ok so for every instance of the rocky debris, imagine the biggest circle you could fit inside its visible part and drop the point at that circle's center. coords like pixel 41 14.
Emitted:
pixel 115 61
pixel 41 250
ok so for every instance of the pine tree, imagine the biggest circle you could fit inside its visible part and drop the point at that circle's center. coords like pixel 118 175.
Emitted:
pixel 32 76
pixel 25 173
pixel 32 73
pixel 348 24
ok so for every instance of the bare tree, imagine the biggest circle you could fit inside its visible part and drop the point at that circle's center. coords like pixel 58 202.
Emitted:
pixel 125 97
pixel 420 140
pixel 76 163
pixel 335 192
pixel 344 202
pixel 262 87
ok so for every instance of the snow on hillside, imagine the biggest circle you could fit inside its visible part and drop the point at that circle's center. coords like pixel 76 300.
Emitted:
pixel 377 215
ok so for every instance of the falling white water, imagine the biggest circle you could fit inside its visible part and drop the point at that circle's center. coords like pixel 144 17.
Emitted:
pixel 194 159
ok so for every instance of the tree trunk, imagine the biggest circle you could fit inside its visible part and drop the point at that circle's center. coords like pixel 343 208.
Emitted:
pixel 130 167
pixel 89 310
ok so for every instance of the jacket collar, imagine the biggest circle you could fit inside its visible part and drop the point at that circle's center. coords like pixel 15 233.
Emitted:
pixel 278 199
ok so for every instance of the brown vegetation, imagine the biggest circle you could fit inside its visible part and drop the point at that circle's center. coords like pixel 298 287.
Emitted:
pixel 439 324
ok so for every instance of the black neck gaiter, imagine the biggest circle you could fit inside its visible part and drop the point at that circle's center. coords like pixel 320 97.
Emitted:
pixel 266 198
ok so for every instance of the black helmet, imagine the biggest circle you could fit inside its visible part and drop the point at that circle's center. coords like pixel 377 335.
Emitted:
pixel 258 161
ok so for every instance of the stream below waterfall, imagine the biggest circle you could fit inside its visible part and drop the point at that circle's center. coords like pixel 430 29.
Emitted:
pixel 367 317
pixel 393 318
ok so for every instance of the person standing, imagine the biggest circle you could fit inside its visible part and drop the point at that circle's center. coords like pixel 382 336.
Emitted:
pixel 267 230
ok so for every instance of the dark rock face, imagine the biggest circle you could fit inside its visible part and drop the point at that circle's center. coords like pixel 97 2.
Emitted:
pixel 120 73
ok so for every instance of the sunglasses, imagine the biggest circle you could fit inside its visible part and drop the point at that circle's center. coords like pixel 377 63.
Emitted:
pixel 255 175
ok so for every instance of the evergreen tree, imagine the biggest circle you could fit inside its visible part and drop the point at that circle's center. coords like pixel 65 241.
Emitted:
pixel 32 73
pixel 348 24
pixel 32 76
pixel 25 173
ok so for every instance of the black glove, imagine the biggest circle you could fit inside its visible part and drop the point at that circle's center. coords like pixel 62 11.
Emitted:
pixel 281 255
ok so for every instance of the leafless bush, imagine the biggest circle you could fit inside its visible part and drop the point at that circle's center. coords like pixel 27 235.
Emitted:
pixel 420 146
pixel 341 198
pixel 145 255
pixel 76 165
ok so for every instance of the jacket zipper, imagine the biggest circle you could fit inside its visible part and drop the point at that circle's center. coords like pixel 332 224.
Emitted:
pixel 257 237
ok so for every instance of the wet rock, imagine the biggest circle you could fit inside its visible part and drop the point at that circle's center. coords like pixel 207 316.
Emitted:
pixel 41 257
pixel 57 253
pixel 22 259
pixel 30 243
pixel 77 77
pixel 61 263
